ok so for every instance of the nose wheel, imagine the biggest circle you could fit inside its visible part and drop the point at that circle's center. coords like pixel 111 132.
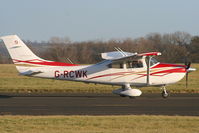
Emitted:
pixel 165 93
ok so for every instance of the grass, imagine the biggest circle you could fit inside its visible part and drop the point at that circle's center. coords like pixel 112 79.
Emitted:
pixel 99 124
pixel 10 81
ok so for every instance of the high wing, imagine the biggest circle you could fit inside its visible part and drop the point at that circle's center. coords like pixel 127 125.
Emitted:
pixel 115 55
pixel 120 55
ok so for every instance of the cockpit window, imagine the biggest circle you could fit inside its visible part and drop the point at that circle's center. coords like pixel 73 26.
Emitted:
pixel 134 64
pixel 153 61
pixel 116 65
pixel 129 64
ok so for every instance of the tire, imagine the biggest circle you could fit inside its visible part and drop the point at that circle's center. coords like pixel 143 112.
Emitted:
pixel 122 96
pixel 165 95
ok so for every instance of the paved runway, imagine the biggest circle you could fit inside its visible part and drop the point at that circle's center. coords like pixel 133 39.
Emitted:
pixel 98 104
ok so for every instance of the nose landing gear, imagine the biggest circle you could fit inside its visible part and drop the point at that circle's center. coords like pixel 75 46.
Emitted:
pixel 165 93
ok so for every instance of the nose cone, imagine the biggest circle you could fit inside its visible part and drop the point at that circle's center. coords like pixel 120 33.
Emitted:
pixel 191 69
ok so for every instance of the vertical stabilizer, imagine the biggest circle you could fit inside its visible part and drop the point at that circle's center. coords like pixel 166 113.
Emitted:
pixel 24 58
pixel 17 49
pixel 21 55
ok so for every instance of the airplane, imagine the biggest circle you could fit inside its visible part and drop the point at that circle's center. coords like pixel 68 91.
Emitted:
pixel 119 68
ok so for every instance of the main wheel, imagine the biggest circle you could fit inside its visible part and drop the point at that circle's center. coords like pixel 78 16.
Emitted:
pixel 122 95
pixel 165 94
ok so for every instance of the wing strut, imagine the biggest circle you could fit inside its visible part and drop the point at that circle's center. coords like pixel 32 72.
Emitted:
pixel 121 51
pixel 148 69
pixel 69 60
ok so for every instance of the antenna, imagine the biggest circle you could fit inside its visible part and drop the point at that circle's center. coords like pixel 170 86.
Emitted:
pixel 119 50
pixel 122 51
pixel 69 60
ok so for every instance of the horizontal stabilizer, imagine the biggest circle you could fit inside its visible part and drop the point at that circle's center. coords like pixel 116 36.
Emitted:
pixel 30 73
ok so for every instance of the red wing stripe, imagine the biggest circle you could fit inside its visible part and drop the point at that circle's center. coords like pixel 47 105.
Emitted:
pixel 150 54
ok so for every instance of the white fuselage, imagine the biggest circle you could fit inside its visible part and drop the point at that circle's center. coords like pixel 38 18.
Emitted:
pixel 101 73
pixel 118 68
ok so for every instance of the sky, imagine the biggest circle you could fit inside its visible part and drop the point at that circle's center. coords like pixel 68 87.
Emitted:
pixel 83 20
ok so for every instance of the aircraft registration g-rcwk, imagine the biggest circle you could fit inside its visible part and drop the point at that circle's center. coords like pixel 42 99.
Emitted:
pixel 118 68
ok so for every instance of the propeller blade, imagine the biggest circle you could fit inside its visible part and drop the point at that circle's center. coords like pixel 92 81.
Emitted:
pixel 186 79
pixel 188 65
pixel 187 62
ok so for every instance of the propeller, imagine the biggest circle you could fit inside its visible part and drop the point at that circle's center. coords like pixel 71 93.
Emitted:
pixel 186 79
pixel 187 64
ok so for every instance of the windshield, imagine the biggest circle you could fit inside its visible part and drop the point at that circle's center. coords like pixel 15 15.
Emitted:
pixel 153 61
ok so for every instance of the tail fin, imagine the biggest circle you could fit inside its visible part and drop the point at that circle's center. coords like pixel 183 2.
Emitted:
pixel 23 57
pixel 17 49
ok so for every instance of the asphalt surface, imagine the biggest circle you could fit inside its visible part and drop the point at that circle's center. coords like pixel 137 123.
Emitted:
pixel 98 104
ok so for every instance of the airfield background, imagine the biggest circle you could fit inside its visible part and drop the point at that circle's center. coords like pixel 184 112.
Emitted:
pixel 177 47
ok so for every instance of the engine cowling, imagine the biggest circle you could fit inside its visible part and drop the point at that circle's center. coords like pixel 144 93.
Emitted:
pixel 128 92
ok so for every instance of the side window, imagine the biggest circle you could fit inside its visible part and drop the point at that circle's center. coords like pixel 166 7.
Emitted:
pixel 134 64
pixel 153 61
pixel 116 65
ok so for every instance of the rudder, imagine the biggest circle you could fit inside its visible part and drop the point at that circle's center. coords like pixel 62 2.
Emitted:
pixel 17 49
pixel 21 55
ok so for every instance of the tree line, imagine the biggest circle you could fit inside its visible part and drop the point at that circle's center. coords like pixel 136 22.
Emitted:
pixel 176 47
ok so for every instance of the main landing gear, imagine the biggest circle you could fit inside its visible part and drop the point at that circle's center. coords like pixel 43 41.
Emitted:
pixel 127 91
pixel 165 93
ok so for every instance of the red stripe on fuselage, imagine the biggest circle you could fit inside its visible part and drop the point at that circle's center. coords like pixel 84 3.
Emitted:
pixel 46 63
pixel 164 72
pixel 111 74
pixel 173 69
pixel 167 65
